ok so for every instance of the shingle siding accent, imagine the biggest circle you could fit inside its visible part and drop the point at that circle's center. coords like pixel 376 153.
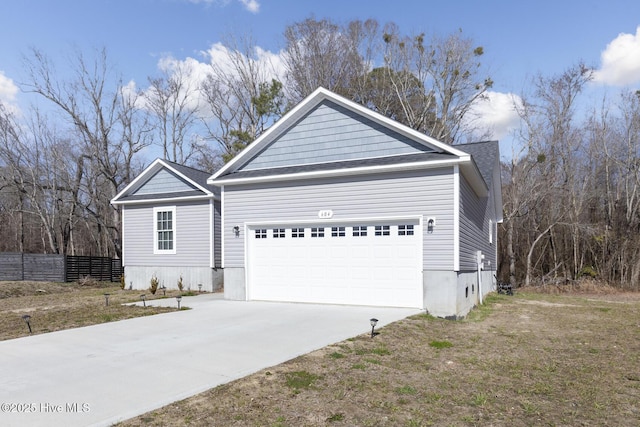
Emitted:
pixel 400 194
pixel 330 133
pixel 163 182
pixel 191 233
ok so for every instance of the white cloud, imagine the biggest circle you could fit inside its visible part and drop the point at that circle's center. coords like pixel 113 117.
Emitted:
pixel 251 5
pixel 496 112
pixel 620 61
pixel 8 91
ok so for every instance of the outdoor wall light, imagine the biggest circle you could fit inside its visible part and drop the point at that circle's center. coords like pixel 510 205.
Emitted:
pixel 143 297
pixel 106 300
pixel 373 322
pixel 431 224
pixel 179 298
pixel 236 230
pixel 27 320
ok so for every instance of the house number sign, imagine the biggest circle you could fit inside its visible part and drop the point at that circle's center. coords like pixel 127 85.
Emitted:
pixel 325 213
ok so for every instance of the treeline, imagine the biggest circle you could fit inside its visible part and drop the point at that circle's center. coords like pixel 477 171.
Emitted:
pixel 572 191
pixel 570 198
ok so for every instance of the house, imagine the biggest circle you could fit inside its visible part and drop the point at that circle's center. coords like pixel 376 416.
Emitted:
pixel 337 204
pixel 171 228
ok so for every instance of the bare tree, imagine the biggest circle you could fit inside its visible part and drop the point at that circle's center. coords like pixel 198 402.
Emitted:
pixel 242 98
pixel 173 99
pixel 449 82
pixel 92 104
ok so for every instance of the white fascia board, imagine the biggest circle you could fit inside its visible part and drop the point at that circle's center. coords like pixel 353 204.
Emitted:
pixel 201 188
pixel 139 179
pixel 297 111
pixel 163 200
pixel 156 165
pixel 311 101
pixel 338 172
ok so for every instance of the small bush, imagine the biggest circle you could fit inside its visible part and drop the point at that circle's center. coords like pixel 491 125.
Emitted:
pixel 180 284
pixel 153 287
pixel 122 282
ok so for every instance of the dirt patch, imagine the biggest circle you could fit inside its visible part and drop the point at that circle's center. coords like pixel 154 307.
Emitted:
pixel 525 360
pixel 58 306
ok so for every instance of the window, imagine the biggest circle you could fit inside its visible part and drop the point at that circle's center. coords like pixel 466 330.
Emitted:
pixel 297 232
pixel 382 230
pixel 261 233
pixel 317 232
pixel 337 232
pixel 164 230
pixel 490 231
pixel 359 230
pixel 278 233
pixel 405 230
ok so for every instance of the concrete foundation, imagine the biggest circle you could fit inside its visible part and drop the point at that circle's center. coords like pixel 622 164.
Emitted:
pixel 139 277
pixel 235 286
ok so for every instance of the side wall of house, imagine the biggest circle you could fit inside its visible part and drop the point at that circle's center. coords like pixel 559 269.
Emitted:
pixel 398 194
pixel 192 241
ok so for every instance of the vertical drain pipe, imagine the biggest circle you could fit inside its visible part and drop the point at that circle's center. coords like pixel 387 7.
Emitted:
pixel 479 259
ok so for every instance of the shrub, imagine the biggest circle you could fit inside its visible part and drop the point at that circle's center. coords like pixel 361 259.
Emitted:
pixel 122 282
pixel 153 285
pixel 180 284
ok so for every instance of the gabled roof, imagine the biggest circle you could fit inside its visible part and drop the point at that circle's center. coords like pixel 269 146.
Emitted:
pixel 195 182
pixel 440 153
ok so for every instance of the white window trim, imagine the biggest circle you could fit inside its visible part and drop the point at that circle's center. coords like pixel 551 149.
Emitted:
pixel 157 251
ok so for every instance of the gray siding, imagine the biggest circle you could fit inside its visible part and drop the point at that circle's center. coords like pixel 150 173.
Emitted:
pixel 192 235
pixel 475 213
pixel 411 193
pixel 332 133
pixel 217 240
pixel 163 182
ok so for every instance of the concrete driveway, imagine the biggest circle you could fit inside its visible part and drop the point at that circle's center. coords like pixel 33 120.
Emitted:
pixel 99 375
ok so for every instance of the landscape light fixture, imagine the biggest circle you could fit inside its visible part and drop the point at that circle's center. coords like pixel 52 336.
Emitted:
pixel 164 290
pixel 373 322
pixel 106 300
pixel 143 297
pixel 179 298
pixel 27 320
pixel 200 288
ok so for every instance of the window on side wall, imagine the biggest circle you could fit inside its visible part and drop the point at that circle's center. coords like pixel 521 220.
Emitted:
pixel 490 231
pixel 164 230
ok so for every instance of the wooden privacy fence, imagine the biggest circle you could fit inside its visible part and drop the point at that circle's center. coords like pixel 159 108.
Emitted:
pixel 58 268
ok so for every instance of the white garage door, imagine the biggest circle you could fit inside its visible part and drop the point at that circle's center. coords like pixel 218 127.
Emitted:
pixel 364 263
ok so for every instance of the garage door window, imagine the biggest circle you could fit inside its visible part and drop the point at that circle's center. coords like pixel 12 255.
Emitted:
pixel 278 233
pixel 261 233
pixel 359 230
pixel 405 230
pixel 337 232
pixel 297 232
pixel 382 230
pixel 317 232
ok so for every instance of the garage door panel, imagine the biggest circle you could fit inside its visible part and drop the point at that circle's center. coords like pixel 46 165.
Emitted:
pixel 384 270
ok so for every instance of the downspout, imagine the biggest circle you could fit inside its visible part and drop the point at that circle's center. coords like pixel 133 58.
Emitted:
pixel 480 263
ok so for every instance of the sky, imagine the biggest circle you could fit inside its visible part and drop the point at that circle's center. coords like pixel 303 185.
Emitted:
pixel 521 39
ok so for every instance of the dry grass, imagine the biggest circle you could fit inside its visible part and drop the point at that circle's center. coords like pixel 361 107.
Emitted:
pixel 58 306
pixel 527 360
